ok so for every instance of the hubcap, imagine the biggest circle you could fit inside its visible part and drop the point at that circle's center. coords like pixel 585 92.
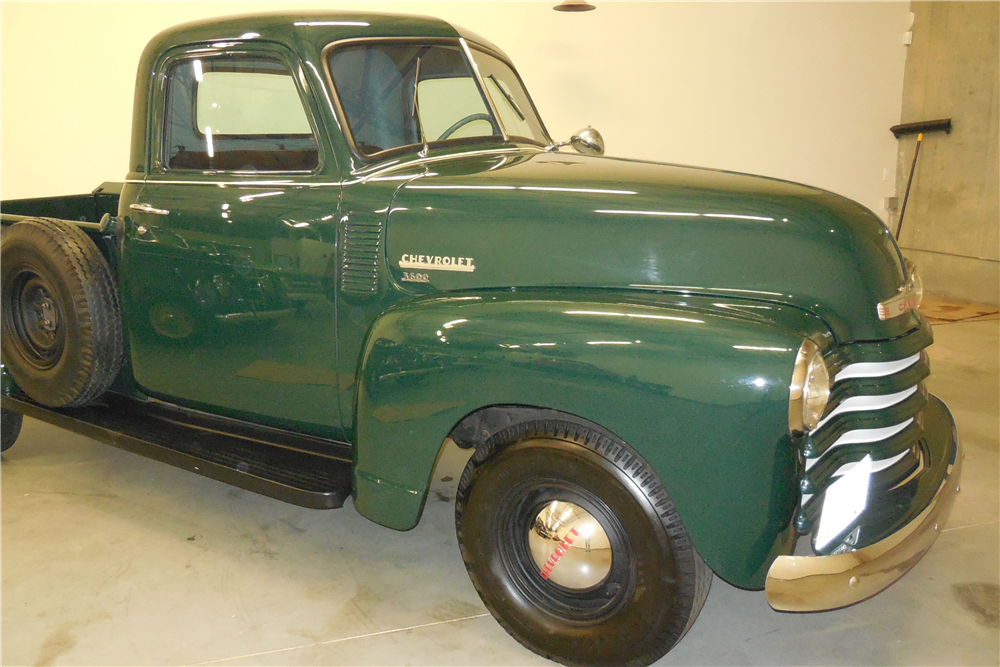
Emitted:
pixel 171 320
pixel 569 546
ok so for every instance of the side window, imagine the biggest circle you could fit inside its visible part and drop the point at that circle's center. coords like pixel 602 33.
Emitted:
pixel 236 114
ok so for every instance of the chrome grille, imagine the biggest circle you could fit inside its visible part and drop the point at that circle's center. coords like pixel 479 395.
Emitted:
pixel 875 410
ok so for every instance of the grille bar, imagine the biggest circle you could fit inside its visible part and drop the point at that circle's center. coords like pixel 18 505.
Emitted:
pixel 866 403
pixel 875 369
pixel 821 441
pixel 889 384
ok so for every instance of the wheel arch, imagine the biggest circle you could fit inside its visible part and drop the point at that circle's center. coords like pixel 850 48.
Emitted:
pixel 683 381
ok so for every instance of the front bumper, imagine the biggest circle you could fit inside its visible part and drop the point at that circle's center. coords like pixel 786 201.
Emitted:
pixel 817 583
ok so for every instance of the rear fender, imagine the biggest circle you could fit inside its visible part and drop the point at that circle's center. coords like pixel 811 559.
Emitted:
pixel 699 386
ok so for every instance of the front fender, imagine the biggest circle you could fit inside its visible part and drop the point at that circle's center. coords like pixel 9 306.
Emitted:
pixel 698 386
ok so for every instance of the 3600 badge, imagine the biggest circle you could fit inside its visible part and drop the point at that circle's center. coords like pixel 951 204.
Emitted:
pixel 410 277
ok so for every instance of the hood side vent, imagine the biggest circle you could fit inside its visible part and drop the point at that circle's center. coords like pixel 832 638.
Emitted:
pixel 361 242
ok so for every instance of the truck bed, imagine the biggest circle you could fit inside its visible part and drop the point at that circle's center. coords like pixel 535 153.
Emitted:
pixel 77 208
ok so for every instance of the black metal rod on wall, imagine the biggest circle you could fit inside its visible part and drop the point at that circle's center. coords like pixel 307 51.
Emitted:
pixel 909 182
pixel 939 125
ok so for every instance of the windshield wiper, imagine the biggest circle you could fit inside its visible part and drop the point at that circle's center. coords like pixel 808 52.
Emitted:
pixel 510 100
pixel 416 111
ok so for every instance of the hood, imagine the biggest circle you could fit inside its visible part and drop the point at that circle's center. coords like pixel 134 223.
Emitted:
pixel 522 219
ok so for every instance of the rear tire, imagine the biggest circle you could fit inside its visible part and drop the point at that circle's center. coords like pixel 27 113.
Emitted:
pixel 527 486
pixel 10 428
pixel 62 331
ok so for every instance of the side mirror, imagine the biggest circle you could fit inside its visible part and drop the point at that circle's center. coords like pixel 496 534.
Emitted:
pixel 587 141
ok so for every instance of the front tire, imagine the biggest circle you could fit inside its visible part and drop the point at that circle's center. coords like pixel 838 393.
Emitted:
pixel 10 428
pixel 575 547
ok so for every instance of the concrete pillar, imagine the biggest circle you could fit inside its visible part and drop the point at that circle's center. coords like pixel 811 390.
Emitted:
pixel 952 224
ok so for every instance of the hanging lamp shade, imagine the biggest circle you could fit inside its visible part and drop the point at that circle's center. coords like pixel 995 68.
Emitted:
pixel 574 6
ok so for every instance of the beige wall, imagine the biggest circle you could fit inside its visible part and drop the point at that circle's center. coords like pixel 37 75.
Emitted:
pixel 803 91
pixel 952 222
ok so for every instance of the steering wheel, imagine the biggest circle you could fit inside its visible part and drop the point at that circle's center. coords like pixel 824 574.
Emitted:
pixel 463 122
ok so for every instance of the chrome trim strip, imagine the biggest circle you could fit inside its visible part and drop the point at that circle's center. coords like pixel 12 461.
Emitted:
pixel 363 175
pixel 917 471
pixel 862 436
pixel 254 315
pixel 148 208
pixel 158 181
pixel 371 173
pixel 876 466
pixel 867 402
pixel 875 369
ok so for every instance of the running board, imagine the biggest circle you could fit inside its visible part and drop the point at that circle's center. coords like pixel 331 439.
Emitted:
pixel 296 468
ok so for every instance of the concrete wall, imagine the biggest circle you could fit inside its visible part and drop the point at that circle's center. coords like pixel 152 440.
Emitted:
pixel 952 224
pixel 802 91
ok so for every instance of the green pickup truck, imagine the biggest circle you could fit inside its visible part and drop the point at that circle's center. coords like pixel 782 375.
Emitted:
pixel 347 239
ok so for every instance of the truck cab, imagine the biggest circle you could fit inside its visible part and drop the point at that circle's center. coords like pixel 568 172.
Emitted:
pixel 345 239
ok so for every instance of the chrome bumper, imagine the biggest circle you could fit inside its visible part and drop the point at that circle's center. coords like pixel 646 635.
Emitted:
pixel 817 583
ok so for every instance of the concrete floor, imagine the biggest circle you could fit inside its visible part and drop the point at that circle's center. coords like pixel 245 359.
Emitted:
pixel 111 559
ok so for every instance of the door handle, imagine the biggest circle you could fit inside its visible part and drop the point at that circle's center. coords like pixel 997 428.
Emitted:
pixel 146 208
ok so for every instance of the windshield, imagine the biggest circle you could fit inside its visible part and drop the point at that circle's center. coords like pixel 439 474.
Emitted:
pixel 404 94
pixel 376 87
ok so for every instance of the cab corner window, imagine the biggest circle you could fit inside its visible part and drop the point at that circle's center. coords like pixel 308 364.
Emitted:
pixel 236 114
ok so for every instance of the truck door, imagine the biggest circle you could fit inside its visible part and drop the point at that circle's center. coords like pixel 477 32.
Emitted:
pixel 228 259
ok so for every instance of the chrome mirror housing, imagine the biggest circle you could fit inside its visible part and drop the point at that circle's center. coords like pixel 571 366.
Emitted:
pixel 587 141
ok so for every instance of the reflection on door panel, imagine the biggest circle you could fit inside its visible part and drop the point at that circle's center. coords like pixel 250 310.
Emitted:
pixel 233 306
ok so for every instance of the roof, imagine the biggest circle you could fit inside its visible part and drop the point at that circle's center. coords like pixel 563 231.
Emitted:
pixel 315 28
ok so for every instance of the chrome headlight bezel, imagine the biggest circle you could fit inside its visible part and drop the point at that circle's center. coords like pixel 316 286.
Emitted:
pixel 809 390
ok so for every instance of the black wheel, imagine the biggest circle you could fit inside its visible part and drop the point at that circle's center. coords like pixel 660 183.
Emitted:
pixel 10 428
pixel 62 331
pixel 575 547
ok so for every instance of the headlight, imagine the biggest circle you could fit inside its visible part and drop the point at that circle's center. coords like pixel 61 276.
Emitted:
pixel 809 390
pixel 910 294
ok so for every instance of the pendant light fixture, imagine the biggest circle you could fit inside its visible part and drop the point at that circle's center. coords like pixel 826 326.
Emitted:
pixel 574 6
